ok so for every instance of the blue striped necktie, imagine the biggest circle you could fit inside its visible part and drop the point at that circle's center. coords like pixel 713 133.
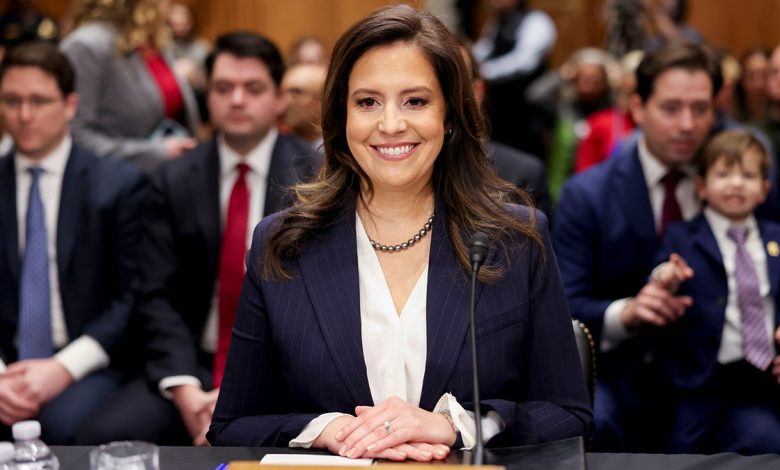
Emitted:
pixel 35 339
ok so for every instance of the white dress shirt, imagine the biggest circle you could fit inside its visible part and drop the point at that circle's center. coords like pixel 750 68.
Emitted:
pixel 614 332
pixel 731 341
pixel 259 162
pixel 395 349
pixel 84 354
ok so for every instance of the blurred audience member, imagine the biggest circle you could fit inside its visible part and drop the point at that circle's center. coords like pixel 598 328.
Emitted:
pixel 515 166
pixel 70 223
pixel 751 97
pixel 132 104
pixel 302 85
pixel 771 121
pixel 582 86
pixel 21 21
pixel 666 20
pixel 731 71
pixel 189 52
pixel 608 226
pixel 604 129
pixel 511 54
pixel 625 26
pixel 308 50
pixel 200 218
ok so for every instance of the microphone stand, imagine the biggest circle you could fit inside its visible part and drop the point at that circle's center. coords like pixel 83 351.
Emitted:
pixel 478 252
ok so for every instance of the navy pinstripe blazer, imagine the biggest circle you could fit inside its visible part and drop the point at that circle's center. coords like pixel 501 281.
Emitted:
pixel 296 350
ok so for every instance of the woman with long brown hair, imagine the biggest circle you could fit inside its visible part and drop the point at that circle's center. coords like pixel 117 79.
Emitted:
pixel 351 333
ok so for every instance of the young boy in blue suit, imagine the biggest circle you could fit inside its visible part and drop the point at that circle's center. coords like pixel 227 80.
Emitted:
pixel 720 354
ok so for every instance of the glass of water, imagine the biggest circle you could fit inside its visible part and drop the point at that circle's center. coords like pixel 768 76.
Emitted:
pixel 125 455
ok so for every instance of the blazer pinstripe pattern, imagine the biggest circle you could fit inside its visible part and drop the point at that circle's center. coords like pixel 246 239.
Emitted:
pixel 296 350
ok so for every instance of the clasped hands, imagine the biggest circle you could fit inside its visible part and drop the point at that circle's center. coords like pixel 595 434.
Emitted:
pixel 29 384
pixel 393 430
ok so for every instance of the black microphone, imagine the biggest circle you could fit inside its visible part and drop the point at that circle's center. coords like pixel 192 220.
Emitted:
pixel 478 250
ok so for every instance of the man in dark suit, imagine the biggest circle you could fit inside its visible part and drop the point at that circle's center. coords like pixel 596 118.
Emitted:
pixel 608 225
pixel 199 224
pixel 69 225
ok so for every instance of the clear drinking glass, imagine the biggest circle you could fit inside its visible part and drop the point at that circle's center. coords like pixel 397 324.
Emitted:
pixel 125 455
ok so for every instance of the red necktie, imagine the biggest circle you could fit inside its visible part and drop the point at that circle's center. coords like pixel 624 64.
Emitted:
pixel 671 209
pixel 231 267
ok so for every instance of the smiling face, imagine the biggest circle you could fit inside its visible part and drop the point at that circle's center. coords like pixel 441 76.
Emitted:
pixel 395 117
pixel 734 190
pixel 676 118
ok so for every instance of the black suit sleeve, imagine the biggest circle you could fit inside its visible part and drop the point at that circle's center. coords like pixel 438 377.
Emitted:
pixel 109 327
pixel 169 342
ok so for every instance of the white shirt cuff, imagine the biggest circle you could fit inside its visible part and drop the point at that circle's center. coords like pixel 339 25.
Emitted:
pixel 2 366
pixel 168 383
pixel 82 356
pixel 614 331
pixel 313 430
pixel 492 424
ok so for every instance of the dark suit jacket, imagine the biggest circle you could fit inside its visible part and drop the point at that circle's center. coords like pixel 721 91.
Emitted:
pixel 296 350
pixel 689 353
pixel 524 171
pixel 180 249
pixel 605 239
pixel 98 226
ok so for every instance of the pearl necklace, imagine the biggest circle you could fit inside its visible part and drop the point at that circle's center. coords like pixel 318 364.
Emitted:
pixel 408 243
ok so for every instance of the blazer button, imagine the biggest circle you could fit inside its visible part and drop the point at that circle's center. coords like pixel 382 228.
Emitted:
pixel 721 301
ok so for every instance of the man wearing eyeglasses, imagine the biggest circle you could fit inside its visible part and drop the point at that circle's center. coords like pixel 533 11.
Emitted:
pixel 69 222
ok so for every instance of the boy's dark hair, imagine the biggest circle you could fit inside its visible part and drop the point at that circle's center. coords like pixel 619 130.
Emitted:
pixel 244 45
pixel 46 57
pixel 731 147
pixel 676 54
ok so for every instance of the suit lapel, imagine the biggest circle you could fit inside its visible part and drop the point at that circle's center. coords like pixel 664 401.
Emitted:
pixel 71 217
pixel 204 190
pixel 631 190
pixel 330 273
pixel 704 239
pixel 8 216
pixel 447 311
pixel 770 237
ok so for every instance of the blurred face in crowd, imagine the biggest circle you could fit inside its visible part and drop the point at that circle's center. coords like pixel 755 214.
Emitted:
pixel 773 76
pixel 34 110
pixel 591 83
pixel 677 116
pixel 180 20
pixel 311 52
pixel 243 100
pixel 395 117
pixel 736 189
pixel 302 85
pixel 754 75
